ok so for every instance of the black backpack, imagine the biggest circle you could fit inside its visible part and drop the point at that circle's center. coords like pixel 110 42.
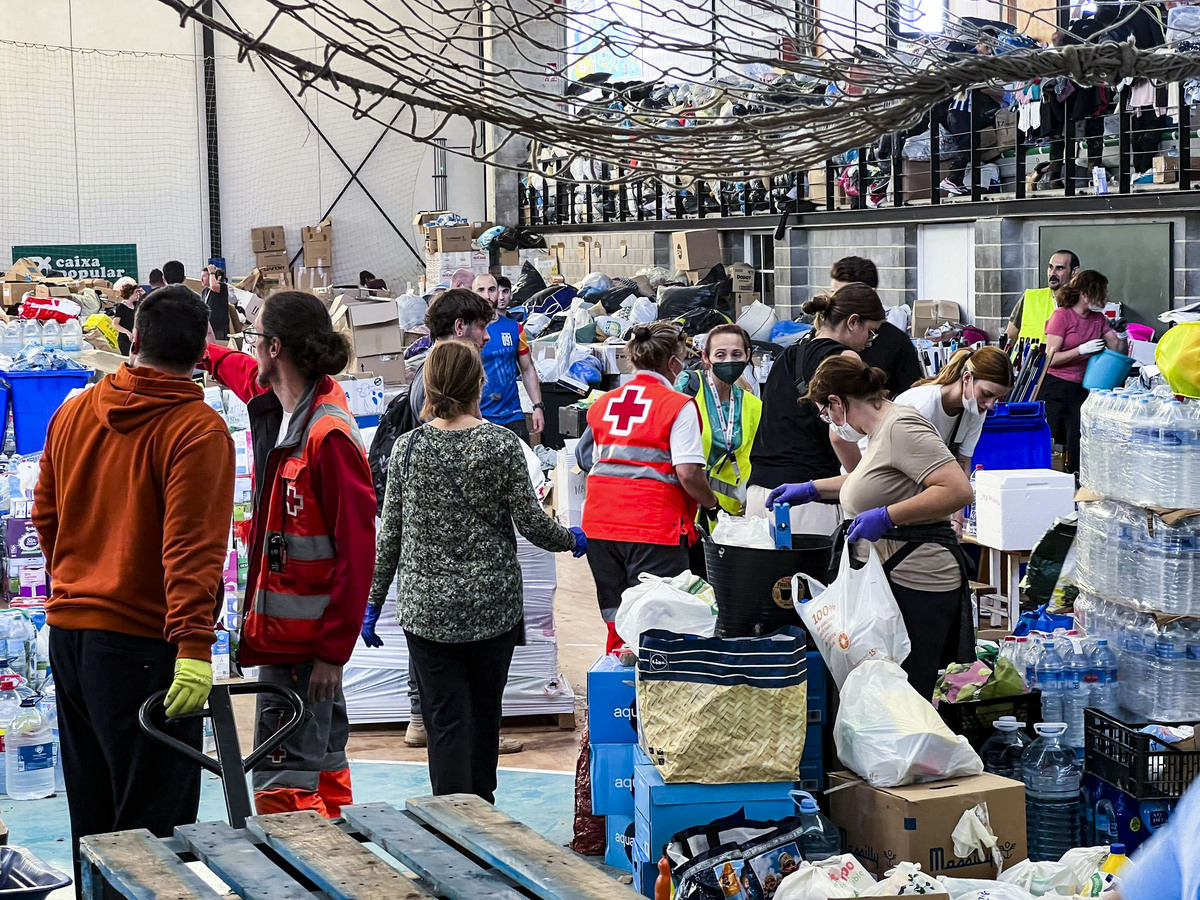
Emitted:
pixel 399 418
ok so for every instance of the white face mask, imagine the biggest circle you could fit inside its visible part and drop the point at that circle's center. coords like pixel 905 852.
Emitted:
pixel 970 404
pixel 846 431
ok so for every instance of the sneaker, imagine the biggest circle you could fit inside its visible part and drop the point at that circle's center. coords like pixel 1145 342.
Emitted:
pixel 415 735
pixel 508 745
pixel 954 190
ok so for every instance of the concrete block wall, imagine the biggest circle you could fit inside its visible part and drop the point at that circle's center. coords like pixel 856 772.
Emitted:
pixel 641 249
pixel 893 248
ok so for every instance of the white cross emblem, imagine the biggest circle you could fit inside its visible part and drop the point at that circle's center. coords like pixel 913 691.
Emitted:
pixel 295 501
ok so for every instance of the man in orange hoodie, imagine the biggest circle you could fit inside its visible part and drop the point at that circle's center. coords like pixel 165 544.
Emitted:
pixel 133 507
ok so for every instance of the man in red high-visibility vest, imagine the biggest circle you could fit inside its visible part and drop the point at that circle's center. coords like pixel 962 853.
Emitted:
pixel 648 474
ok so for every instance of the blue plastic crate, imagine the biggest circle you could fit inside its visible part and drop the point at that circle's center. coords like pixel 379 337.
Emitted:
pixel 1015 436
pixel 35 398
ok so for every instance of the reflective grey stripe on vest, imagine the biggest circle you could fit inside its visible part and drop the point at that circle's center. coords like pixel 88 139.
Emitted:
pixel 729 490
pixel 309 547
pixel 290 606
pixel 618 470
pixel 632 454
pixel 329 409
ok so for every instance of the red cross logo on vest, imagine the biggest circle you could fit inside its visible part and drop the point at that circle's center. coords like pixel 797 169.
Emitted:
pixel 295 500
pixel 627 410
pixel 277 755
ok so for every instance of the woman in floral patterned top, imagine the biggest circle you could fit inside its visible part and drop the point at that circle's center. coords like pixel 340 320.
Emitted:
pixel 455 489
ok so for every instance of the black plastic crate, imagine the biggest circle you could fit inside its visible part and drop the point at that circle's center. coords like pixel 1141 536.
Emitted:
pixel 975 719
pixel 1120 754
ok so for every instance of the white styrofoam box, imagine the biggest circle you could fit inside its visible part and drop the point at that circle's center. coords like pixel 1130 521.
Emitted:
pixel 1017 506
pixel 365 396
pixel 570 487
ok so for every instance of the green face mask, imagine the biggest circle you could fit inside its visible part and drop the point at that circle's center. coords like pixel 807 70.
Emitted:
pixel 729 372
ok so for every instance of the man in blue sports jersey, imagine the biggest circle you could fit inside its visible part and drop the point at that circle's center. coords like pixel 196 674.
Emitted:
pixel 506 358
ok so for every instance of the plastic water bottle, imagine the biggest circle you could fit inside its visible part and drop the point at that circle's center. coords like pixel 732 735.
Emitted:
pixel 49 707
pixel 1008 650
pixel 1033 652
pixel 1001 752
pixel 52 335
pixel 10 705
pixel 72 337
pixel 1090 436
pixel 972 516
pixel 1103 677
pixel 819 838
pixel 1169 674
pixel 10 344
pixel 1137 647
pixel 1052 779
pixel 1143 435
pixel 1048 678
pixel 29 754
pixel 31 333
pixel 1076 696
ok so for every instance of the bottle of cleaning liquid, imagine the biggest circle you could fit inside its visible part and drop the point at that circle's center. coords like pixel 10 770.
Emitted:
pixel 1117 860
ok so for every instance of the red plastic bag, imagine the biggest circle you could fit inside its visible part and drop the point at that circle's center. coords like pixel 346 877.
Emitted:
pixel 58 309
pixel 589 829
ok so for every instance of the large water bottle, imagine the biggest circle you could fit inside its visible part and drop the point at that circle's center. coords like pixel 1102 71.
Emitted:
pixel 1103 676
pixel 1090 436
pixel 49 707
pixel 1171 567
pixel 1143 435
pixel 1052 777
pixel 973 516
pixel 1001 752
pixel 1008 650
pixel 1169 674
pixel 1048 678
pixel 52 335
pixel 72 338
pixel 1138 636
pixel 31 333
pixel 10 705
pixel 1187 429
pixel 819 838
pixel 10 344
pixel 1076 695
pixel 29 754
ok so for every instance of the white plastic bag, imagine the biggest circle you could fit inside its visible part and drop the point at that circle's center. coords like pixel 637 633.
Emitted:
pixel 743 531
pixel 412 310
pixel 976 888
pixel 836 877
pixel 684 604
pixel 1039 878
pixel 906 878
pixel 891 735
pixel 854 619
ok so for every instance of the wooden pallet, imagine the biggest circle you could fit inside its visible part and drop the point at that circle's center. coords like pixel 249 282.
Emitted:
pixel 451 848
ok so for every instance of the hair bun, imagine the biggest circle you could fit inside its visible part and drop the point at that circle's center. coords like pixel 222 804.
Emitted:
pixel 875 378
pixel 818 304
pixel 642 333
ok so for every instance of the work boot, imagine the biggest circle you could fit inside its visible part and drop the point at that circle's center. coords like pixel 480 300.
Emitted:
pixel 415 735
pixel 508 745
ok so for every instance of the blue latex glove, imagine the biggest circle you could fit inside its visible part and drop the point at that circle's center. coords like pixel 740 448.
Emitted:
pixel 580 542
pixel 370 619
pixel 793 494
pixel 870 525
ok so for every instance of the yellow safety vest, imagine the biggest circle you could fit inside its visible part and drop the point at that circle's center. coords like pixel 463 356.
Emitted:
pixel 730 485
pixel 1036 311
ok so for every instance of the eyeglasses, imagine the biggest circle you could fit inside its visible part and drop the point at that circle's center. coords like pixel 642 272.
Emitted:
pixel 251 337
pixel 823 415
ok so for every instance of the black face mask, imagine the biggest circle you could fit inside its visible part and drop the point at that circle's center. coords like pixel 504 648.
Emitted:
pixel 729 372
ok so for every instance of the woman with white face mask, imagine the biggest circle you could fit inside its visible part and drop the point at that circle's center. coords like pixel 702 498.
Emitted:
pixel 1077 330
pixel 901 497
pixel 958 400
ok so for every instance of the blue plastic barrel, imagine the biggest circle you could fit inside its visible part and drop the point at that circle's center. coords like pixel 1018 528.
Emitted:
pixel 1107 370
pixel 35 397
pixel 1015 436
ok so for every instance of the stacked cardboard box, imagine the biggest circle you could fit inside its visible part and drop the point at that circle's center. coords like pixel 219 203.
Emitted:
pixel 317 242
pixel 373 327
pixel 270 254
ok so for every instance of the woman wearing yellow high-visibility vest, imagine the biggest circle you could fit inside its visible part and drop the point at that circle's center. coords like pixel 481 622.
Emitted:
pixel 729 414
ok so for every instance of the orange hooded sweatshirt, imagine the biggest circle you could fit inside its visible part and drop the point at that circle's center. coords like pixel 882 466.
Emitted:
pixel 133 506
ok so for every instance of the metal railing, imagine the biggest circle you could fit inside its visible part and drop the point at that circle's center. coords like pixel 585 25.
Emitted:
pixel 563 201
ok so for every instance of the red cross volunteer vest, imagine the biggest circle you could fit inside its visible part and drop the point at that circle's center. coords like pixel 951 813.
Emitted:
pixel 633 493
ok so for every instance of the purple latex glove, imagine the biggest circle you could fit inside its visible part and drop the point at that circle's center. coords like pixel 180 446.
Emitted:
pixel 870 525
pixel 370 620
pixel 580 542
pixel 793 494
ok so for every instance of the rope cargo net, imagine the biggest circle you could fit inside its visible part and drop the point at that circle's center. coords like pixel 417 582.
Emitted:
pixel 672 89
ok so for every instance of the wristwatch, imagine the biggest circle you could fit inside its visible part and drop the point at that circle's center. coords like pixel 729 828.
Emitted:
pixel 540 405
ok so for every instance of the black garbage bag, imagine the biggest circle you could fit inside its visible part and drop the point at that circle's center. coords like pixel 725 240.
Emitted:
pixel 700 320
pixel 612 299
pixel 675 301
pixel 519 239
pixel 553 299
pixel 529 282
pixel 719 277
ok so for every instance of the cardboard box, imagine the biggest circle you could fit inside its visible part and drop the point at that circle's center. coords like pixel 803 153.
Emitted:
pixel 478 228
pixel 611 768
pixel 454 239
pixel 932 313
pixel 1015 507
pixel 509 258
pixel 743 277
pixel 23 270
pixel 310 278
pixel 267 238
pixel 741 301
pixel 618 842
pixel 572 487
pixel 698 250
pixel 388 366
pixel 917 180
pixel 624 363
pixel 322 233
pixel 15 291
pixel 612 707
pixel 572 420
pixel 272 259
pixel 1166 169
pixel 20 538
pixel 373 326
pixel 885 826
pixel 817 179
pixel 422 219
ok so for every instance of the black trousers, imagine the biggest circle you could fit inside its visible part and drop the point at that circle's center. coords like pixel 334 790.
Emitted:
pixel 1064 401
pixel 616 565
pixel 461 687
pixel 932 619
pixel 519 428
pixel 117 778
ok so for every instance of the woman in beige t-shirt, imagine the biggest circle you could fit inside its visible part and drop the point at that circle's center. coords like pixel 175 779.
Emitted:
pixel 902 496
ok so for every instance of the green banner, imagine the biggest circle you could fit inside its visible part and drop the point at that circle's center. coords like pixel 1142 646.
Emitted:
pixel 107 261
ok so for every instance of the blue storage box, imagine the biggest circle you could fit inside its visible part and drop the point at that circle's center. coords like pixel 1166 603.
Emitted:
pixel 814 739
pixel 662 810
pixel 612 779
pixel 818 691
pixel 1015 436
pixel 612 711
pixel 644 876
pixel 812 775
pixel 618 842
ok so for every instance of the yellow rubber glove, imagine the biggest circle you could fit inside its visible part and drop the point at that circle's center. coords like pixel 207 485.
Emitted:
pixel 189 690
